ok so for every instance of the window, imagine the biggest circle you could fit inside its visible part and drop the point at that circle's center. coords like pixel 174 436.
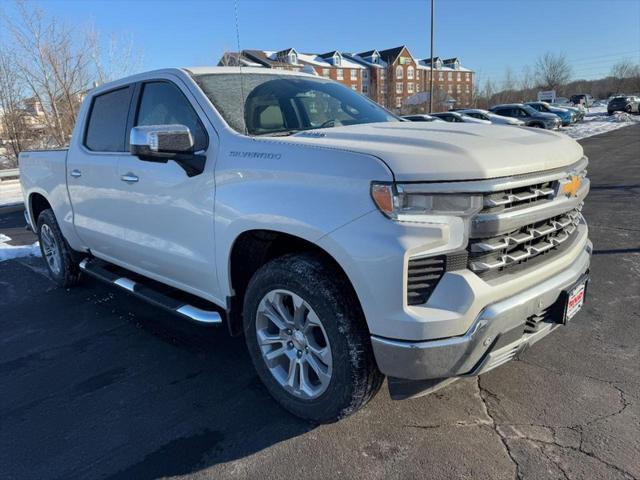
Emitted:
pixel 107 124
pixel 449 76
pixel 417 87
pixel 410 72
pixel 354 74
pixel 450 89
pixel 293 58
pixel 365 74
pixel 467 76
pixel 398 102
pixel 383 74
pixel 340 74
pixel 365 88
pixel 325 72
pixel 337 60
pixel 459 76
pixel 163 103
pixel 410 87
pixel 441 76
pixel 399 87
pixel 399 72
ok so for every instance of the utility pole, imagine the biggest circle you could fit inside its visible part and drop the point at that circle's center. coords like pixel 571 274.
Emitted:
pixel 431 79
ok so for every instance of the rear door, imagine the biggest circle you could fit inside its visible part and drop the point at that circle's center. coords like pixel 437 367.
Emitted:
pixel 92 171
pixel 166 216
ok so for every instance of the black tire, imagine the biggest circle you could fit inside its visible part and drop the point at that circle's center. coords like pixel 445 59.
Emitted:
pixel 628 109
pixel 68 274
pixel 609 112
pixel 355 377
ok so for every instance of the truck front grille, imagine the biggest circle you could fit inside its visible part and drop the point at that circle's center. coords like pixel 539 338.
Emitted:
pixel 502 252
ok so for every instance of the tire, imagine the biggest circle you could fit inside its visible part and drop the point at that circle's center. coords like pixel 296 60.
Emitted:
pixel 56 253
pixel 609 112
pixel 628 109
pixel 349 374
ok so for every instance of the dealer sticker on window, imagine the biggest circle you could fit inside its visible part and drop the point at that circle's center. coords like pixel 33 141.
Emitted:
pixel 575 301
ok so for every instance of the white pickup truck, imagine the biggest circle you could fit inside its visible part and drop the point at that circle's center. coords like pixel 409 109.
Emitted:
pixel 344 243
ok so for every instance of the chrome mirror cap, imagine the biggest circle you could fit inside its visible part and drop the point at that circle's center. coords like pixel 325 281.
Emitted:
pixel 156 140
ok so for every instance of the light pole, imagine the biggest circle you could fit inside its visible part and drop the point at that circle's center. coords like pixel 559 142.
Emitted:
pixel 431 77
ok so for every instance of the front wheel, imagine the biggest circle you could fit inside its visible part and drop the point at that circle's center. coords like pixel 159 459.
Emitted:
pixel 56 252
pixel 308 340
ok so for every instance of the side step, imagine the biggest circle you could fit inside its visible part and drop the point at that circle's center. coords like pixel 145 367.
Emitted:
pixel 100 270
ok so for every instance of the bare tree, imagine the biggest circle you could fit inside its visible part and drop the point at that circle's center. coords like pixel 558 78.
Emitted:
pixel 552 70
pixel 11 116
pixel 621 72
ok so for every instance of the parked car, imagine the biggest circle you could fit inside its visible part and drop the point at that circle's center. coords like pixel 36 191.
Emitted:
pixel 421 118
pixel 624 103
pixel 577 110
pixel 582 99
pixel 343 243
pixel 456 117
pixel 530 116
pixel 565 114
pixel 489 116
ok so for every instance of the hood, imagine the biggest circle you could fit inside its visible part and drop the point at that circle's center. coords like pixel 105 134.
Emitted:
pixel 421 151
pixel 548 116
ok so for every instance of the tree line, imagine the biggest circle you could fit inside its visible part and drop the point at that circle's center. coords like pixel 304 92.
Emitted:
pixel 553 71
pixel 46 69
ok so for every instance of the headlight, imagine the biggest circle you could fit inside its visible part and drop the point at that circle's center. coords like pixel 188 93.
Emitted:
pixel 406 202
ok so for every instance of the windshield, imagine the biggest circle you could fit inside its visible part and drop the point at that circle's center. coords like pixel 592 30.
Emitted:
pixel 285 104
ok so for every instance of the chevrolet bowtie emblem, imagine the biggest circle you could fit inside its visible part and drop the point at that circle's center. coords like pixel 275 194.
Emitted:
pixel 571 189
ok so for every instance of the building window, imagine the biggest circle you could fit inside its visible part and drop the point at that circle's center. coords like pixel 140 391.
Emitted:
pixel 365 88
pixel 410 87
pixel 325 72
pixel 399 87
pixel 293 58
pixel 467 76
pixel 354 74
pixel 450 89
pixel 441 76
pixel 410 72
pixel 399 72
pixel 340 74
pixel 417 87
pixel 449 76
pixel 383 74
pixel 459 76
pixel 337 60
pixel 398 102
pixel 458 88
pixel 467 88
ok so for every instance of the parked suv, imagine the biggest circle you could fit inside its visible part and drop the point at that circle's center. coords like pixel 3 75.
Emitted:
pixel 488 116
pixel 565 114
pixel 530 116
pixel 624 103
pixel 582 99
pixel 344 244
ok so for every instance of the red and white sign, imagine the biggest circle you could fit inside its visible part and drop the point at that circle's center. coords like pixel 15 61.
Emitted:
pixel 575 302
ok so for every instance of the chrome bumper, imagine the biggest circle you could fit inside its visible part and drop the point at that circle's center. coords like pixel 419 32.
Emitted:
pixel 495 337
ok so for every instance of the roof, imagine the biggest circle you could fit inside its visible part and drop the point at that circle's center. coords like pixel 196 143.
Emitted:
pixel 330 54
pixel 235 58
pixel 451 60
pixel 222 70
pixel 368 53
pixel 267 58
pixel 391 54
pixel 365 63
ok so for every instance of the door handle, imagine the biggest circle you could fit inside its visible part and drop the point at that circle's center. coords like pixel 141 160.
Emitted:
pixel 75 173
pixel 129 178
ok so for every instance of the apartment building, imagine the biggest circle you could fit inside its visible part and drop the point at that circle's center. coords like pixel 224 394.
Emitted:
pixel 393 77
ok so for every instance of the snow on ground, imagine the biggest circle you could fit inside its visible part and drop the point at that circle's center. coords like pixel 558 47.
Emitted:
pixel 8 252
pixel 597 121
pixel 10 192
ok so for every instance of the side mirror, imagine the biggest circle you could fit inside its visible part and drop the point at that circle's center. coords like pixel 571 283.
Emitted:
pixel 161 143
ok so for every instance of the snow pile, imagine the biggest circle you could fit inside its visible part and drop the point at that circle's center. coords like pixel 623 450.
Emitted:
pixel 597 121
pixel 8 252
pixel 10 192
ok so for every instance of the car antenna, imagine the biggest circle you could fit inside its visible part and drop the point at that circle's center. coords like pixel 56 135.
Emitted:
pixel 244 120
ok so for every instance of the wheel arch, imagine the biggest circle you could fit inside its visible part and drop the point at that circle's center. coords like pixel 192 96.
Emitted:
pixel 252 249
pixel 37 203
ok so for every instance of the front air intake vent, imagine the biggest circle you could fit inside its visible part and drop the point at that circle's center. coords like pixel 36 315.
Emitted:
pixel 423 274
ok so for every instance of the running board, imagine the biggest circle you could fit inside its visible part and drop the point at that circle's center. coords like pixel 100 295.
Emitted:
pixel 96 269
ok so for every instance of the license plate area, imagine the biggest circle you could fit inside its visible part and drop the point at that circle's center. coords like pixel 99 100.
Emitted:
pixel 572 299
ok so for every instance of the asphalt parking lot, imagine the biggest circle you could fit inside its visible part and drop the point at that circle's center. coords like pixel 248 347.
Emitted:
pixel 95 384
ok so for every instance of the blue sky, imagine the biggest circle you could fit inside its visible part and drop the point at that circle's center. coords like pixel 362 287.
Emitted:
pixel 486 35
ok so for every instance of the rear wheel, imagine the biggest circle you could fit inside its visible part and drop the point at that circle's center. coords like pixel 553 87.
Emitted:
pixel 56 252
pixel 308 340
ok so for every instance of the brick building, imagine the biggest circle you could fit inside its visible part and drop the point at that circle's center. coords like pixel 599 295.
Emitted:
pixel 389 77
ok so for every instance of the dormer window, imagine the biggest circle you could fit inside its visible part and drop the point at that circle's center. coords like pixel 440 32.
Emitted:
pixel 293 58
pixel 374 58
pixel 337 61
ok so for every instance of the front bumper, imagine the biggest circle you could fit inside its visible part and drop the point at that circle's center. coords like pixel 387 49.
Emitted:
pixel 495 337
